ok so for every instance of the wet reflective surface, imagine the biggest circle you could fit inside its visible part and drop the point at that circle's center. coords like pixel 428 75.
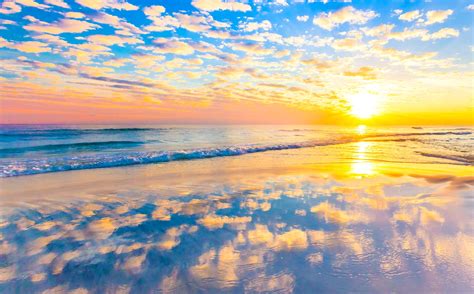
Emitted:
pixel 285 234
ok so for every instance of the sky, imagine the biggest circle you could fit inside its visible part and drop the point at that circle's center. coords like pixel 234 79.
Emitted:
pixel 230 62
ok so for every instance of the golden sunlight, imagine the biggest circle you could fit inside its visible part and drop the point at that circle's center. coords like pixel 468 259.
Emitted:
pixel 364 105
pixel 361 129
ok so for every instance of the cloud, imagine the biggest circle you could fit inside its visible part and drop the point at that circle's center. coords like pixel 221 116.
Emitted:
pixel 348 44
pixel 108 40
pixel 73 14
pixel 59 3
pixel 122 26
pixel 254 26
pixel 31 3
pixel 63 26
pixel 154 10
pixel 167 46
pixel 379 30
pixel 217 222
pixel 348 14
pixel 302 18
pixel 51 39
pixel 442 34
pixel 9 7
pixel 32 47
pixel 437 16
pixel 100 4
pixel 407 34
pixel 332 214
pixel 292 240
pixel 365 72
pixel 162 23
pixel 410 16
pixel 470 7
pixel 213 5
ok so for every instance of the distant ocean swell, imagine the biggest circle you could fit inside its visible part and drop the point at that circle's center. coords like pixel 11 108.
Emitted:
pixel 89 146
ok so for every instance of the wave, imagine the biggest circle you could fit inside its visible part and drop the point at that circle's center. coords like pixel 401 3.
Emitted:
pixel 86 146
pixel 417 134
pixel 14 133
pixel 467 160
pixel 37 166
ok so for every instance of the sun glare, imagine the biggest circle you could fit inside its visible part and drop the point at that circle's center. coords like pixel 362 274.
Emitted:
pixel 363 105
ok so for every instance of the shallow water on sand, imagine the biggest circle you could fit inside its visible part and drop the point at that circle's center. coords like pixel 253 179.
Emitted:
pixel 366 216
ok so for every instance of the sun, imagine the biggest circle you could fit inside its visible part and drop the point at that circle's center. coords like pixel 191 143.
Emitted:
pixel 364 105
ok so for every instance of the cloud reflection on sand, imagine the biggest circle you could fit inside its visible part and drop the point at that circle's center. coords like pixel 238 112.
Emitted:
pixel 286 234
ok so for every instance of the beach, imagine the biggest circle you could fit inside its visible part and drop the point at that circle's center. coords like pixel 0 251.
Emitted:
pixel 287 209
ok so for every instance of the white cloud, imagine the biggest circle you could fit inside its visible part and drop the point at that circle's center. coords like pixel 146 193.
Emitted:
pixel 59 3
pixel 348 14
pixel 213 5
pixel 63 26
pixel 73 14
pixel 410 16
pixel 9 7
pixel 437 16
pixel 100 4
pixel 303 18
pixel 31 3
pixel 164 46
pixel 442 34
pixel 254 26
pixel 154 10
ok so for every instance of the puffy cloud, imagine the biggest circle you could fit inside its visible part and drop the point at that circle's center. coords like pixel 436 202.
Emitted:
pixel 442 34
pixel 331 213
pixel 51 39
pixel 302 18
pixel 63 26
pixel 193 23
pixel 172 46
pixel 31 3
pixel 32 47
pixel 162 23
pixel 410 16
pixel 254 26
pixel 348 44
pixel 213 5
pixel 154 10
pixel 348 14
pixel 470 7
pixel 379 30
pixel 59 3
pixel 73 14
pixel 109 40
pixel 437 16
pixel 100 4
pixel 292 240
pixel 9 7
pixel 407 34
pixel 365 72
pixel 217 222
pixel 122 26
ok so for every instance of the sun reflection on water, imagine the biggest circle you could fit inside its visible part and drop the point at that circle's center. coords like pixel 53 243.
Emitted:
pixel 361 165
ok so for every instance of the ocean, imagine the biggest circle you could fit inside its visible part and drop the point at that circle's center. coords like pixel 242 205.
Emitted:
pixel 232 209
pixel 26 150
